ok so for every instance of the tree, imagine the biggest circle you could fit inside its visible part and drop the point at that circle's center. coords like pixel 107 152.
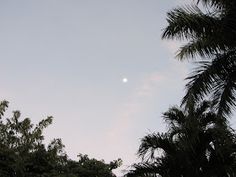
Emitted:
pixel 22 150
pixel 86 167
pixel 210 34
pixel 23 153
pixel 197 143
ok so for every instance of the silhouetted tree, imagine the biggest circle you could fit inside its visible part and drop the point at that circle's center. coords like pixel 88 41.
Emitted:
pixel 197 143
pixel 211 34
pixel 23 153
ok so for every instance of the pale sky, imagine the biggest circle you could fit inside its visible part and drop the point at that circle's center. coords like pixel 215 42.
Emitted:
pixel 68 58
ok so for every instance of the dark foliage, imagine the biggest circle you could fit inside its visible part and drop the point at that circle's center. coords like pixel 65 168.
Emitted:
pixel 211 34
pixel 197 143
pixel 23 153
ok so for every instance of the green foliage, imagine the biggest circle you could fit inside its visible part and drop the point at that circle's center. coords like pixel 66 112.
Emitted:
pixel 23 153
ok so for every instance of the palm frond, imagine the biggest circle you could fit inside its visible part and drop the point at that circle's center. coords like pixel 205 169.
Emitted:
pixel 200 83
pixel 202 107
pixel 225 95
pixel 199 46
pixel 145 170
pixel 211 120
pixel 188 22
pixel 174 115
pixel 220 4
pixel 153 142
pixel 217 75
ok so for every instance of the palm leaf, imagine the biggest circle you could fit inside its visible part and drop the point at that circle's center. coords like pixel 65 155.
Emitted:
pixel 145 170
pixel 152 142
pixel 199 46
pixel 217 75
pixel 174 116
pixel 224 95
pixel 188 22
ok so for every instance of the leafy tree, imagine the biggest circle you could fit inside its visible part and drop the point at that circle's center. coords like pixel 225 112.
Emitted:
pixel 86 167
pixel 23 153
pixel 22 150
pixel 210 33
pixel 197 143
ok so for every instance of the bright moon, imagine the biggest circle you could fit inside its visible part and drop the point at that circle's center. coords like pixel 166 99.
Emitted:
pixel 125 80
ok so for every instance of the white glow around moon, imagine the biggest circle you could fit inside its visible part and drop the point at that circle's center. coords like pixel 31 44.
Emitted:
pixel 124 80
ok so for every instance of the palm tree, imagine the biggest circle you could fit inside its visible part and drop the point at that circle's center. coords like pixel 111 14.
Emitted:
pixel 197 143
pixel 210 34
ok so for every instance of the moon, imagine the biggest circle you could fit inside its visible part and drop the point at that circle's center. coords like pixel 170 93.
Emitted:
pixel 125 80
